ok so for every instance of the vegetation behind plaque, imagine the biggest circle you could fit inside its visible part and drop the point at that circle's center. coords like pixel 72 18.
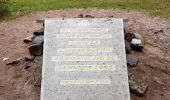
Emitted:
pixel 3 8
pixel 21 7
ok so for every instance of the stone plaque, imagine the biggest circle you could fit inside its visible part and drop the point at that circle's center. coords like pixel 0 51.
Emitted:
pixel 84 59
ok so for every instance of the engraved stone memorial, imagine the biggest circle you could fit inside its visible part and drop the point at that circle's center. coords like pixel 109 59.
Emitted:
pixel 84 59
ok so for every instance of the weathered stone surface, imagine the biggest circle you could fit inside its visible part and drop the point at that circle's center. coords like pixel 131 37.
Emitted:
pixel 39 32
pixel 127 47
pixel 84 59
pixel 11 62
pixel 38 40
pixel 5 59
pixel 131 60
pixel 29 58
pixel 125 20
pixel 136 44
pixel 158 31
pixel 137 86
pixel 89 16
pixel 28 64
pixel 35 50
pixel 29 39
pixel 80 16
pixel 129 36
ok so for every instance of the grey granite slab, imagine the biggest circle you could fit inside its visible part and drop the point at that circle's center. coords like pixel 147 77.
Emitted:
pixel 84 59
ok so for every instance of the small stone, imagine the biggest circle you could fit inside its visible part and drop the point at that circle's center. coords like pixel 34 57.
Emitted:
pixel 35 50
pixel 125 20
pixel 89 16
pixel 110 16
pixel 136 44
pixel 5 59
pixel 38 40
pixel 158 31
pixel 12 62
pixel 137 35
pixel 137 86
pixel 28 64
pixel 39 32
pixel 136 41
pixel 129 36
pixel 80 16
pixel 29 39
pixel 127 47
pixel 131 60
pixel 29 58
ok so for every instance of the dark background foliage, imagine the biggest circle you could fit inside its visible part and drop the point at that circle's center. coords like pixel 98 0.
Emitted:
pixel 3 8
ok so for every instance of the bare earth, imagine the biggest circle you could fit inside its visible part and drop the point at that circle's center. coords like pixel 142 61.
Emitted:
pixel 16 83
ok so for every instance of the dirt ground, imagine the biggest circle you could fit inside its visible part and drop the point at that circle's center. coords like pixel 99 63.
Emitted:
pixel 17 83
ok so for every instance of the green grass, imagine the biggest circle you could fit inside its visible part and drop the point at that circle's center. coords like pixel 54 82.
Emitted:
pixel 154 7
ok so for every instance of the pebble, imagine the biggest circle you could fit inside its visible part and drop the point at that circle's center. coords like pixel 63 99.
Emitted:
pixel 11 62
pixel 89 16
pixel 127 47
pixel 35 50
pixel 28 64
pixel 131 60
pixel 137 86
pixel 29 58
pixel 136 44
pixel 38 40
pixel 5 59
pixel 29 39
pixel 136 41
pixel 80 16
pixel 158 31
pixel 39 32
pixel 129 36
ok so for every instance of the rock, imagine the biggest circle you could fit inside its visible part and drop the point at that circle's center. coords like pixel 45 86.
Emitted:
pixel 131 60
pixel 89 16
pixel 158 31
pixel 39 32
pixel 5 59
pixel 35 50
pixel 136 44
pixel 110 16
pixel 80 16
pixel 29 39
pixel 28 64
pixel 127 47
pixel 12 62
pixel 38 40
pixel 29 58
pixel 137 35
pixel 137 86
pixel 125 20
pixel 129 36
pixel 136 41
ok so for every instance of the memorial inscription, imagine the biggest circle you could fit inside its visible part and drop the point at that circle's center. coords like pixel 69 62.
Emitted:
pixel 84 59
